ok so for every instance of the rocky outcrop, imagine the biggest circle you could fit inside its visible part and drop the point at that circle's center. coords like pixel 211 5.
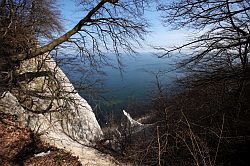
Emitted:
pixel 67 112
pixel 131 126
pixel 69 124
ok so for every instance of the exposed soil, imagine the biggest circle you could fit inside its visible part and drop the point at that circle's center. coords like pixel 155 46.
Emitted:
pixel 19 146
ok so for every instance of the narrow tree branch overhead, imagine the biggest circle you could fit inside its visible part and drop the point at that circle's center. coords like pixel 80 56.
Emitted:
pixel 30 30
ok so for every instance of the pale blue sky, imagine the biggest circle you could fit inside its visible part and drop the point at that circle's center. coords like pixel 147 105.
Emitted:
pixel 159 35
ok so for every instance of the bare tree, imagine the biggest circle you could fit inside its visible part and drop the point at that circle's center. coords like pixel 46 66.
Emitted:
pixel 220 49
pixel 21 23
pixel 106 26
pixel 217 56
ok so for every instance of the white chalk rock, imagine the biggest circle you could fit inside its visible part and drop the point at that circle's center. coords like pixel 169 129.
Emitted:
pixel 71 125
pixel 132 126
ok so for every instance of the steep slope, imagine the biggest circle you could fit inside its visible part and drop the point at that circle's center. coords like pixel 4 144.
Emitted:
pixel 69 124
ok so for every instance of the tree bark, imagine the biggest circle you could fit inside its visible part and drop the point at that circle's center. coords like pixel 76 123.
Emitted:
pixel 50 46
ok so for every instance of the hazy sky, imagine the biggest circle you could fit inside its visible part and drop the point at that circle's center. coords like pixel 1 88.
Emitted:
pixel 159 34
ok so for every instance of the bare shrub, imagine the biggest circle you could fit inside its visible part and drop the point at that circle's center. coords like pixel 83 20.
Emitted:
pixel 201 125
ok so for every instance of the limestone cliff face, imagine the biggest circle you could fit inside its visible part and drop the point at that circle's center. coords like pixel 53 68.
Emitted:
pixel 65 112
pixel 70 123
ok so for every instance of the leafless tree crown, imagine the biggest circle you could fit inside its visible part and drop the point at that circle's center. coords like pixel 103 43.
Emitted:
pixel 223 26
pixel 104 26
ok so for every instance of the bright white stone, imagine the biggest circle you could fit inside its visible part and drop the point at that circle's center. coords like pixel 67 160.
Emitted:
pixel 74 128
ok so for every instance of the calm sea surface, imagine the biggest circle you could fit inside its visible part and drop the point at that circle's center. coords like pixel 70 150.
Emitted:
pixel 136 81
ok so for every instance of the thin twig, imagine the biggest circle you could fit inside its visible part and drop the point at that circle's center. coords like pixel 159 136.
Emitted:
pixel 221 132
pixel 159 146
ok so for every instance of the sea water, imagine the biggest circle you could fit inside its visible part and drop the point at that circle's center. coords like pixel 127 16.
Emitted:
pixel 135 79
